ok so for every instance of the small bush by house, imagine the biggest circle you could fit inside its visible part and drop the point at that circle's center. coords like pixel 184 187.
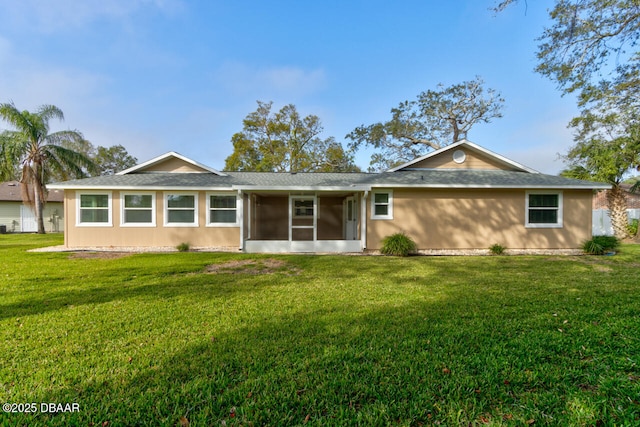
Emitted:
pixel 599 245
pixel 398 244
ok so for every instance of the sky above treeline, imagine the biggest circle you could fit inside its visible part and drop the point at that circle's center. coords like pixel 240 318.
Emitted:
pixel 181 75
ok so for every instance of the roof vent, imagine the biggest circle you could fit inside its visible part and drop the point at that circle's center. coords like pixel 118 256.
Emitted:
pixel 459 156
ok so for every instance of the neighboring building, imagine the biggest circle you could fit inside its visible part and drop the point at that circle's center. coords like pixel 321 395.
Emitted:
pixel 16 217
pixel 601 220
pixel 459 197
pixel 633 199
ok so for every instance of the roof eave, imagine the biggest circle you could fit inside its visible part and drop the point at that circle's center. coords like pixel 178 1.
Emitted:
pixel 350 187
pixel 140 187
pixel 494 186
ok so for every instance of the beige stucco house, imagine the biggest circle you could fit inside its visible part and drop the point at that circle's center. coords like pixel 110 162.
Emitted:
pixel 459 197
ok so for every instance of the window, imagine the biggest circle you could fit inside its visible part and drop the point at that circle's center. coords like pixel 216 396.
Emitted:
pixel 303 208
pixel 138 209
pixel 94 209
pixel 382 205
pixel 222 209
pixel 181 209
pixel 544 209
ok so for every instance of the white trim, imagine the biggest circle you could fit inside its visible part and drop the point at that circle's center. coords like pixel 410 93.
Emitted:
pixel 474 186
pixel 305 246
pixel 165 203
pixel 153 209
pixel 109 209
pixel 238 209
pixel 355 188
pixel 165 156
pixel 389 204
pixel 240 187
pixel 469 144
pixel 558 224
pixel 347 187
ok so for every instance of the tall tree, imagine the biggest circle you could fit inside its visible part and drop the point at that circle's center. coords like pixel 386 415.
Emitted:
pixel 435 119
pixel 107 160
pixel 591 42
pixel 590 49
pixel 285 142
pixel 113 159
pixel 607 148
pixel 38 153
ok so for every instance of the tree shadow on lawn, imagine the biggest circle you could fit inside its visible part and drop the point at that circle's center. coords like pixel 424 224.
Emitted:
pixel 119 279
pixel 413 364
pixel 123 283
pixel 451 358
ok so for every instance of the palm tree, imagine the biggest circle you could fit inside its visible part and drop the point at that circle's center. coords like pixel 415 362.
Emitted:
pixel 33 153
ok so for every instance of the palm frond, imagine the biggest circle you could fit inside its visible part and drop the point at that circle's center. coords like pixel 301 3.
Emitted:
pixel 62 136
pixel 48 112
pixel 68 162
pixel 10 114
pixel 12 147
pixel 31 127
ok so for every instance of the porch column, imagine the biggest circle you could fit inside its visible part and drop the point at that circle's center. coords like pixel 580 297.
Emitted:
pixel 363 216
pixel 240 208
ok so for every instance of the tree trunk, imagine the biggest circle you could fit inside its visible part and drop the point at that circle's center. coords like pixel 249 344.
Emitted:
pixel 617 204
pixel 39 207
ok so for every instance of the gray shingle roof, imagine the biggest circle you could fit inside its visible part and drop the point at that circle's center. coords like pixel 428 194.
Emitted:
pixel 434 178
pixel 149 180
pixel 474 178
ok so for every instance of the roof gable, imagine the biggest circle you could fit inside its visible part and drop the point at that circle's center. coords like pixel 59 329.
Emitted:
pixel 481 169
pixel 171 162
pixel 463 155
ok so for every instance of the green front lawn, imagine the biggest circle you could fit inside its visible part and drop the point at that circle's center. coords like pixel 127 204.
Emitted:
pixel 206 339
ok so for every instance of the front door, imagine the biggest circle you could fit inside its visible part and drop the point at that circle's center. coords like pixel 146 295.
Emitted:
pixel 28 221
pixel 302 218
pixel 351 218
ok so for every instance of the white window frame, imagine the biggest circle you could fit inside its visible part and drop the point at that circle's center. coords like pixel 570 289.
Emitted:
pixel 196 215
pixel 558 224
pixel 123 208
pixel 304 211
pixel 109 209
pixel 237 209
pixel 389 204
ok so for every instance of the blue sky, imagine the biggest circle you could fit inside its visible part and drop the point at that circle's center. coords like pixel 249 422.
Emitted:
pixel 180 75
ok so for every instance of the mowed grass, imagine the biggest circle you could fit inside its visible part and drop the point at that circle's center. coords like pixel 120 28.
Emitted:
pixel 208 339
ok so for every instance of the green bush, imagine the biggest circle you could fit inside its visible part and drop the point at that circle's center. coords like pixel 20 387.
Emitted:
pixel 398 244
pixel 497 249
pixel 183 247
pixel 599 245
pixel 633 227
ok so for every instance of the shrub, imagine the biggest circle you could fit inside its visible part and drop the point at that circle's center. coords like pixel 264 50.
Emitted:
pixel 633 227
pixel 183 247
pixel 398 244
pixel 599 245
pixel 497 249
